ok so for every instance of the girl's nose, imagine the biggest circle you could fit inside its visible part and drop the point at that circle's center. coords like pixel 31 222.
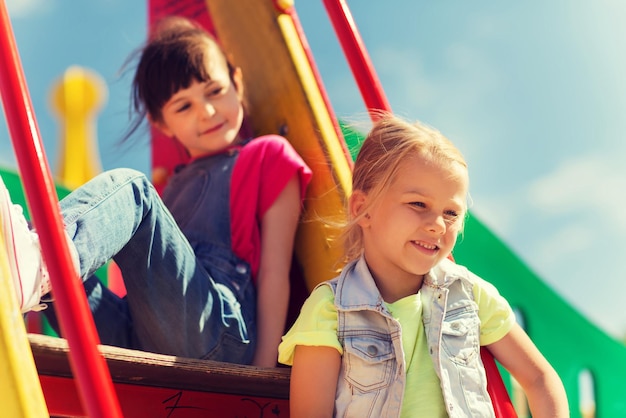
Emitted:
pixel 208 109
pixel 436 224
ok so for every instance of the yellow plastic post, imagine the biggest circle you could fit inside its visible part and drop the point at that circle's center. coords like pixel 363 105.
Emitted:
pixel 76 99
pixel 20 391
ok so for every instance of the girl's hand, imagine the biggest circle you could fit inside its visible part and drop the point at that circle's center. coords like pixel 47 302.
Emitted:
pixel 314 381
pixel 542 386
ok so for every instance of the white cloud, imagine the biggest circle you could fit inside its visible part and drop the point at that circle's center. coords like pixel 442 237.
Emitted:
pixel 592 184
pixel 500 213
pixel 568 226
pixel 585 189
pixel 401 67
pixel 558 246
pixel 26 8
pixel 6 163
pixel 464 74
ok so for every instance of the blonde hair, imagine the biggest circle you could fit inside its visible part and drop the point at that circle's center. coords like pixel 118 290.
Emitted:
pixel 390 141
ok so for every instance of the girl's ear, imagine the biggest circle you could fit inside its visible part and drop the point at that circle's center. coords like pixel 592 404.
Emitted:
pixel 162 127
pixel 356 205
pixel 238 82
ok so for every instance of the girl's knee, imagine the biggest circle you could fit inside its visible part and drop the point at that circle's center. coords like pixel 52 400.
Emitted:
pixel 126 174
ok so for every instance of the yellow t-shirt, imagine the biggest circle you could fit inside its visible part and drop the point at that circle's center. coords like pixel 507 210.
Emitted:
pixel 317 326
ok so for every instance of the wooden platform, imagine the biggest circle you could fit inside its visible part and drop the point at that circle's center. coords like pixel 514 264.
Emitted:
pixel 155 385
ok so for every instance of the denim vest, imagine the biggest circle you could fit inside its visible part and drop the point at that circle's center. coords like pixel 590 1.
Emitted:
pixel 198 197
pixel 373 376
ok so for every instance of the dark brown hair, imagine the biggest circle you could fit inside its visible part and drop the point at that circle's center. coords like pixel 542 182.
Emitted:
pixel 174 56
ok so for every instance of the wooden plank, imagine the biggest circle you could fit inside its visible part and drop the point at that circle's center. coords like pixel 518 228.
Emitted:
pixel 149 369
pixel 157 385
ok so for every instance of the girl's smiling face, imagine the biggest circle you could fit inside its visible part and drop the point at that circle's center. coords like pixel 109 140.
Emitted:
pixel 206 116
pixel 413 225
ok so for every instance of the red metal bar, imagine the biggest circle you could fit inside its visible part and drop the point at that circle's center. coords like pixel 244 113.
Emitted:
pixel 502 406
pixel 375 99
pixel 77 324
pixel 357 56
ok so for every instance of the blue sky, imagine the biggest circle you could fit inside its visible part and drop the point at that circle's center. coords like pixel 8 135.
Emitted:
pixel 534 94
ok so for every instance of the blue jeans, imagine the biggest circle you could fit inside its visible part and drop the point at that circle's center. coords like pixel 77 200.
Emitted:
pixel 175 303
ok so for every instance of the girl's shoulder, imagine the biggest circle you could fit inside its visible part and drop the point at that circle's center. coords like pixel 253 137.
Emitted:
pixel 268 141
pixel 447 272
pixel 272 152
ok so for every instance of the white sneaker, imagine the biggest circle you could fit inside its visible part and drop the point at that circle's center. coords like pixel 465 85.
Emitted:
pixel 29 274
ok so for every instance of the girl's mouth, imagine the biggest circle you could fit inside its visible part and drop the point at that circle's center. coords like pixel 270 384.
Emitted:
pixel 213 129
pixel 425 246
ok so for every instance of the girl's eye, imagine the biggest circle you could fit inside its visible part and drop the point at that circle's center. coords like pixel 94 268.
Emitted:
pixel 418 204
pixel 215 91
pixel 450 216
pixel 182 108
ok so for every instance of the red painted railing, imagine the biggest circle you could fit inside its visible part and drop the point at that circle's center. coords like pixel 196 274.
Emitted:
pixel 357 56
pixel 77 325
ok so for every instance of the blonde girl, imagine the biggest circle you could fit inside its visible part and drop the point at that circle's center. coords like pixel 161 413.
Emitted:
pixel 398 333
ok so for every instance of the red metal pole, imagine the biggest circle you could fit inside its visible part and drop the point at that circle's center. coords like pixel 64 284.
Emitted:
pixel 357 56
pixel 88 365
pixel 502 405
pixel 374 98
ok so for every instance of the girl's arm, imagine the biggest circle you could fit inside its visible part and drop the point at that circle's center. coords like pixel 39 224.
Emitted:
pixel 313 384
pixel 542 386
pixel 278 230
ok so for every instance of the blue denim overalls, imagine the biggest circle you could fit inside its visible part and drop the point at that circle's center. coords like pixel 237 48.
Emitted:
pixel 187 293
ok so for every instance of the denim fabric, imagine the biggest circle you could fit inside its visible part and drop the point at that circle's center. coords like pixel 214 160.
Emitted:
pixel 452 326
pixel 177 303
pixel 372 377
